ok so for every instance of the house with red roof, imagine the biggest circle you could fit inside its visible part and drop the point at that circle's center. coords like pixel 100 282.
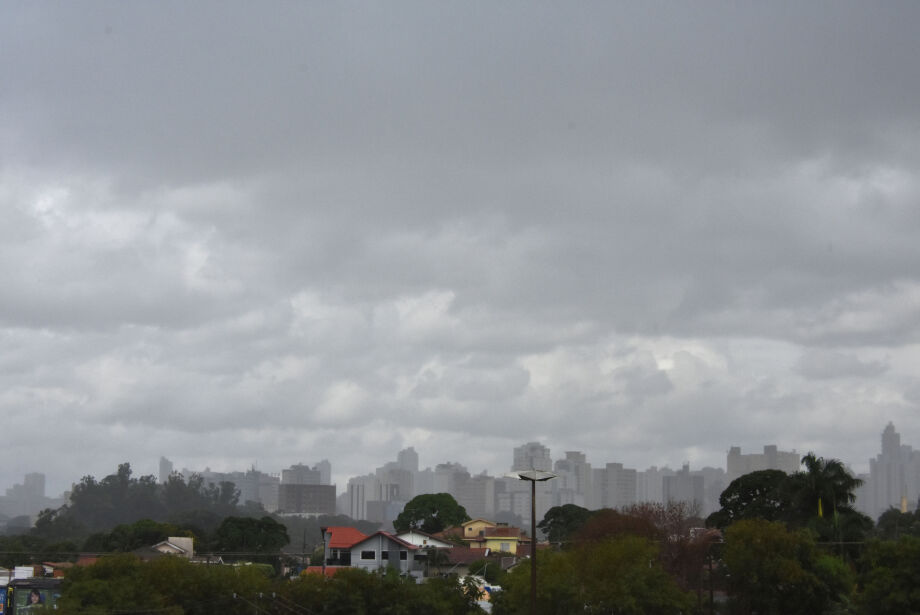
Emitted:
pixel 384 550
pixel 337 543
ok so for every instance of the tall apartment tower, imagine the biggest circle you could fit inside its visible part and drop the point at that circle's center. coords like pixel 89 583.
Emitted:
pixel 325 472
pixel 301 474
pixel 737 464
pixel 684 487
pixel 532 456
pixel 407 459
pixel 573 479
pixel 614 487
pixel 166 468
pixel 894 475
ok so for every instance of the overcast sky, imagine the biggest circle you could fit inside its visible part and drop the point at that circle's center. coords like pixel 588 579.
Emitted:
pixel 243 233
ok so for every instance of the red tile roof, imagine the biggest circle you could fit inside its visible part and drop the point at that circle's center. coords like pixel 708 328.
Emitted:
pixel 343 537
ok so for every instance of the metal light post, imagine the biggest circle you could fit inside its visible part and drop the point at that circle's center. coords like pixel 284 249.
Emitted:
pixel 534 476
pixel 327 536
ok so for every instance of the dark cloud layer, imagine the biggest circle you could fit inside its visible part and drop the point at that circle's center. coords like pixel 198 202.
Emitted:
pixel 237 234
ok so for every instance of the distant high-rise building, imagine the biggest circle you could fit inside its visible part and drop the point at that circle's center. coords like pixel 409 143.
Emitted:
pixel 395 483
pixel 166 468
pixel 894 476
pixel 573 479
pixel 650 484
pixel 408 459
pixel 477 495
pixel 448 477
pixel 361 490
pixel 614 487
pixel 28 498
pixel 325 472
pixel 306 499
pixel 771 459
pixel 532 456
pixel 684 487
pixel 301 474
pixel 512 497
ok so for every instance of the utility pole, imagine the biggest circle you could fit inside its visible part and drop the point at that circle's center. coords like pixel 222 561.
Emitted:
pixel 534 476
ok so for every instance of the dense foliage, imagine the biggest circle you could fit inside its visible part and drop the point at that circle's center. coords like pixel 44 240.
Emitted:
pixel 430 513
pixel 893 524
pixel 819 498
pixel 890 577
pixel 620 576
pixel 120 498
pixel 776 571
pixel 174 586
pixel 560 522
pixel 758 495
pixel 122 513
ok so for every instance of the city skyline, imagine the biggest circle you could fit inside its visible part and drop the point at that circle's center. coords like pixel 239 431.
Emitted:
pixel 379 496
pixel 242 234
pixel 166 465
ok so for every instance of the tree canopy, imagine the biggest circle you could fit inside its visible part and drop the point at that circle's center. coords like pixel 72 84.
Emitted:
pixel 247 534
pixel 622 575
pixel 820 498
pixel 758 495
pixel 430 513
pixel 560 522
pixel 775 571
pixel 120 499
pixel 892 524
pixel 889 577
pixel 174 586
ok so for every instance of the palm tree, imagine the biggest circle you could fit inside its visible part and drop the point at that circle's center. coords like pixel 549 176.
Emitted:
pixel 827 481
pixel 821 497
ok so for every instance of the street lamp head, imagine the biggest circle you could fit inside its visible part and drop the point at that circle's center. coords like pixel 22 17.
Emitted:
pixel 531 475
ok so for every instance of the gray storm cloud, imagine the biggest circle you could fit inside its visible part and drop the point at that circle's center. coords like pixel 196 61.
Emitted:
pixel 238 234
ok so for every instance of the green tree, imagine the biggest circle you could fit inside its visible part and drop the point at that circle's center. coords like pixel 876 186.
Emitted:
pixel 560 522
pixel 823 488
pixel 622 576
pixel 128 537
pixel 122 499
pixel 608 523
pixel 170 585
pixel 489 569
pixel 892 524
pixel 430 513
pixel 775 571
pixel 890 577
pixel 758 495
pixel 821 499
pixel 248 535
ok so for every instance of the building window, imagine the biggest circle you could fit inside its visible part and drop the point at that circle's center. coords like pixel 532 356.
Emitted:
pixel 385 555
pixel 369 554
pixel 403 555
pixel 506 547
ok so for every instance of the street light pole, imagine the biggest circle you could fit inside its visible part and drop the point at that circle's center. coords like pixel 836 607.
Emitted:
pixel 534 476
pixel 327 535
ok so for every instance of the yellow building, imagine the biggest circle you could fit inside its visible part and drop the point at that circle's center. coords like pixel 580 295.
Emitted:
pixel 482 534
pixel 475 528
